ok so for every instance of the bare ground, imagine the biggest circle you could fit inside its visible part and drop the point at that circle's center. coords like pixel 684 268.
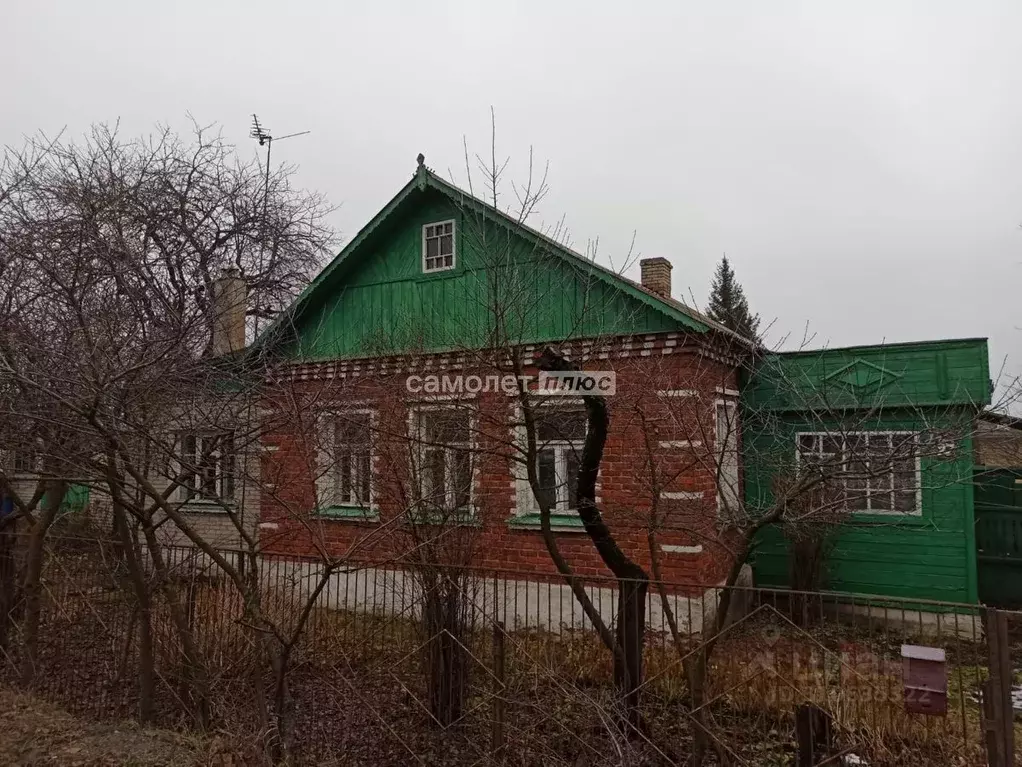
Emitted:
pixel 33 732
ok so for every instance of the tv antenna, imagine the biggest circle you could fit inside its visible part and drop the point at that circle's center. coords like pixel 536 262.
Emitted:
pixel 262 134
pixel 265 138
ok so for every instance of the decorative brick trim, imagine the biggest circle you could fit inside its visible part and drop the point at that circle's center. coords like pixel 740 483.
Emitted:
pixel 671 549
pixel 620 347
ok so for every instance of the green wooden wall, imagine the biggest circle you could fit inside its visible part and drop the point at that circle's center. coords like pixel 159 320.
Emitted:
pixel 931 556
pixel 505 289
pixel 929 373
pixel 934 388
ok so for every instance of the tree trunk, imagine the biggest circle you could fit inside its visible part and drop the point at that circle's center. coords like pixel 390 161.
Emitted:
pixel 697 665
pixel 446 664
pixel 140 590
pixel 282 702
pixel 195 669
pixel 32 586
pixel 631 629
pixel 632 580
pixel 276 726
pixel 10 589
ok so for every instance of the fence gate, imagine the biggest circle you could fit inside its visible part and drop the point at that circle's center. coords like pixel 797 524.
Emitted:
pixel 999 536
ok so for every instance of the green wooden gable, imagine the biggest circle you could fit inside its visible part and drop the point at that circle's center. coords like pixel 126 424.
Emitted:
pixel 511 284
pixel 930 373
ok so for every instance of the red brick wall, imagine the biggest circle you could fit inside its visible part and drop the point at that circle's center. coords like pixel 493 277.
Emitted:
pixel 639 417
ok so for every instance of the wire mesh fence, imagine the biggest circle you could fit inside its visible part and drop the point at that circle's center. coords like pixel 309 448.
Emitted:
pixel 441 665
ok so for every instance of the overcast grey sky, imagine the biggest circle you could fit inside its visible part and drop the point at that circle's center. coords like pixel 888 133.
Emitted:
pixel 860 163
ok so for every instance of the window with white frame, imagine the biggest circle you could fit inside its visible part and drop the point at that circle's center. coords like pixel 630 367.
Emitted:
pixel 729 491
pixel 26 461
pixel 207 466
pixel 560 437
pixel 438 246
pixel 345 473
pixel 874 472
pixel 444 436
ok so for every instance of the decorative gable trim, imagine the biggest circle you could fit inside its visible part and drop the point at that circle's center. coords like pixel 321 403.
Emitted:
pixel 862 377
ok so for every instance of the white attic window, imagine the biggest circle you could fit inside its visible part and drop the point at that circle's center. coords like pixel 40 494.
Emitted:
pixel 438 247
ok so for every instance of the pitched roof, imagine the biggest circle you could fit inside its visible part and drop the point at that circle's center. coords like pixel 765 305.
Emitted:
pixel 426 179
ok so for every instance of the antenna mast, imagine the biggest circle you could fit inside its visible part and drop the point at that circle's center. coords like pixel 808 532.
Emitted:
pixel 265 138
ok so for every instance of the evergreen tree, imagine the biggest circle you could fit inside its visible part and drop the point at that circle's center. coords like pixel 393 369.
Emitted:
pixel 728 304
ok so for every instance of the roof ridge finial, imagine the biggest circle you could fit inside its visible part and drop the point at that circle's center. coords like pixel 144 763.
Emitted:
pixel 421 172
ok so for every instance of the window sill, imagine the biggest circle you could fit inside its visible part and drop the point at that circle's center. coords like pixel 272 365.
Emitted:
pixel 465 517
pixel 887 518
pixel 560 523
pixel 438 274
pixel 206 507
pixel 349 513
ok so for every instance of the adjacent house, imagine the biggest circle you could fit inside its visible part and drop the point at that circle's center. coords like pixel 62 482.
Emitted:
pixel 998 439
pixel 215 433
pixel 998 476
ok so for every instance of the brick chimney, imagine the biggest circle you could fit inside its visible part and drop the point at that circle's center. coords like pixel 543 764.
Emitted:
pixel 656 275
pixel 230 297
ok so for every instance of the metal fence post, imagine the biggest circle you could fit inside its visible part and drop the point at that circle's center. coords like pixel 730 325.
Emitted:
pixel 498 736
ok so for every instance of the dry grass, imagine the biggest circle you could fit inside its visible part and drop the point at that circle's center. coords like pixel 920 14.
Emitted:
pixel 359 691
pixel 760 673
pixel 33 732
pixel 856 675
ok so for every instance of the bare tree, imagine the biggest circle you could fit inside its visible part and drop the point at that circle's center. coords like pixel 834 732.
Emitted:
pixel 112 253
pixel 844 459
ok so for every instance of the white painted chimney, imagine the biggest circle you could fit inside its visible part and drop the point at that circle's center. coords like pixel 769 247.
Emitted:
pixel 230 297
pixel 656 275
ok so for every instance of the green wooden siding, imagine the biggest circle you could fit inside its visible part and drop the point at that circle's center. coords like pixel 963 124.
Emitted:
pixel 916 374
pixel 926 556
pixel 511 285
pixel 383 303
pixel 906 387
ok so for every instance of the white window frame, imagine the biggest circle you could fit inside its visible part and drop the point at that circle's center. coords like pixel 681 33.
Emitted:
pixel 728 479
pixel 194 495
pixel 35 459
pixel 526 504
pixel 328 470
pixel 454 247
pixel 843 436
pixel 420 445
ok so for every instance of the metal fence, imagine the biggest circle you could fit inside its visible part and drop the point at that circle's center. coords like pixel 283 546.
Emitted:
pixel 515 665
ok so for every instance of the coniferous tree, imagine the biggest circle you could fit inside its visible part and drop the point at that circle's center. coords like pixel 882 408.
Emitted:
pixel 728 304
